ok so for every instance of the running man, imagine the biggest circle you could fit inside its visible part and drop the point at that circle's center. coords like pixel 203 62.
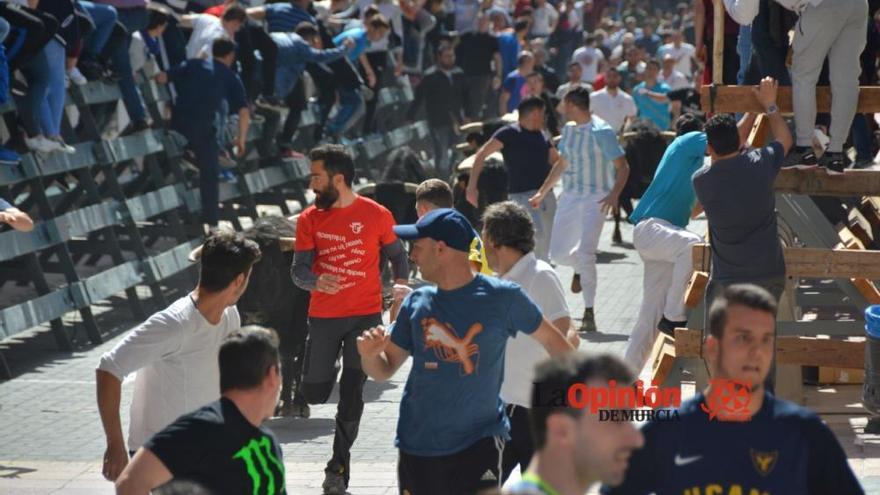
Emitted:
pixel 174 352
pixel 593 169
pixel 223 445
pixel 452 422
pixel 336 257
pixel 769 446
pixel 575 449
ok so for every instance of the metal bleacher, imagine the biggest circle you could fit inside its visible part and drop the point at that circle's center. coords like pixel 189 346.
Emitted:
pixel 122 213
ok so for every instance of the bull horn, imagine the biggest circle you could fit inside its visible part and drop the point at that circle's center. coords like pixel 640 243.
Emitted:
pixel 195 254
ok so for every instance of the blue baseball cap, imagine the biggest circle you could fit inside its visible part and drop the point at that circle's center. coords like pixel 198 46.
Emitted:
pixel 443 224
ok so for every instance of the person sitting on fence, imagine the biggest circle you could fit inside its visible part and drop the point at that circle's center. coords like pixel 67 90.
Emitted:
pixel 222 445
pixel 14 217
pixel 201 87
pixel 174 352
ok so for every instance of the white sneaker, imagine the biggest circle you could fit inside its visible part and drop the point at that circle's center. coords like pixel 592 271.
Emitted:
pixel 62 146
pixel 41 144
pixel 77 78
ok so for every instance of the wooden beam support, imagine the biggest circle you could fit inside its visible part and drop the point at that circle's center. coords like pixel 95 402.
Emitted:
pixel 814 262
pixel 760 134
pixel 695 289
pixel 801 351
pixel 731 99
pixel 662 358
pixel 817 182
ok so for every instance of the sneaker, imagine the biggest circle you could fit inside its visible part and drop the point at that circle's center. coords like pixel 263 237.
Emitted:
pixel 62 146
pixel 91 69
pixel 668 326
pixel 228 176
pixel 41 144
pixel 225 160
pixel 77 77
pixel 801 157
pixel 270 102
pixel 334 484
pixel 588 324
pixel 864 163
pixel 8 157
pixel 576 284
pixel 834 162
pixel 292 410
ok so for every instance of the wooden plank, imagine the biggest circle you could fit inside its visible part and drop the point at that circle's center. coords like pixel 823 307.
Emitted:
pixel 760 133
pixel 801 351
pixel 662 358
pixel 817 182
pixel 815 262
pixel 718 42
pixel 695 289
pixel 732 99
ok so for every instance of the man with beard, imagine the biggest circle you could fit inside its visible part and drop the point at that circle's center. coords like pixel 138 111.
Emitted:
pixel 175 351
pixel 336 258
pixel 611 104
pixel 767 446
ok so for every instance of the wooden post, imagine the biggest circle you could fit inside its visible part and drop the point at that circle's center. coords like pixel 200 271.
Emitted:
pixel 718 44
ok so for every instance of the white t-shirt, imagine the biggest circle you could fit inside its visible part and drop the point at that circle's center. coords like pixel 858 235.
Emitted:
pixel 206 29
pixel 540 282
pixel 589 59
pixel 676 80
pixel 613 109
pixel 542 18
pixel 174 354
pixel 682 55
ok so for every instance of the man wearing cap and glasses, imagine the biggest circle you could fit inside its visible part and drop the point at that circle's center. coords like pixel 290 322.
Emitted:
pixel 175 351
pixel 452 425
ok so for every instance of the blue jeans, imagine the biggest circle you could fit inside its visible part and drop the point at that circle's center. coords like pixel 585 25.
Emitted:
pixel 104 19
pixel 52 107
pixel 133 20
pixel 744 50
pixel 349 101
pixel 861 136
pixel 36 73
pixel 204 146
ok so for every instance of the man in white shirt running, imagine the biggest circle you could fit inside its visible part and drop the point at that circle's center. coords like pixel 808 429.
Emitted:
pixel 681 51
pixel 611 104
pixel 591 59
pixel 175 351
pixel 509 239
pixel 207 28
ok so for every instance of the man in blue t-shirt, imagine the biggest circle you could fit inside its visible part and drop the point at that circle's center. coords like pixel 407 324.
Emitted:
pixel 662 240
pixel 202 85
pixel 651 99
pixel 452 424
pixel 514 87
pixel 736 437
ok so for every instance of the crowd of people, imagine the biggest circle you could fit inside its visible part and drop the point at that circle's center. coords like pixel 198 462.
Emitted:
pixel 492 340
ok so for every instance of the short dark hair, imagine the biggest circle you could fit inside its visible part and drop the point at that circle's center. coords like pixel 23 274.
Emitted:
pixel 306 30
pixel 379 21
pixel 222 47
pixel 370 11
pixel 530 104
pixel 523 56
pixel 520 25
pixel 688 122
pixel 246 356
pixel 436 192
pixel 654 62
pixel 535 74
pixel 748 295
pixel 510 225
pixel 578 96
pixel 157 18
pixel 722 134
pixel 554 376
pixel 225 255
pixel 235 13
pixel 337 160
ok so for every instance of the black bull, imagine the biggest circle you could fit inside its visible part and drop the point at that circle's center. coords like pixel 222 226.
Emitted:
pixel 274 301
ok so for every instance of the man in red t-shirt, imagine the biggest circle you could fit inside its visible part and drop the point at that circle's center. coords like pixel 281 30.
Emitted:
pixel 336 257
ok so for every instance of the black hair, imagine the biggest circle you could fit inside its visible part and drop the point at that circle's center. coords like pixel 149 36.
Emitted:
pixel 235 13
pixel 225 255
pixel 222 47
pixel 748 295
pixel 306 30
pixel 530 104
pixel 722 134
pixel 509 224
pixel 578 96
pixel 554 376
pixel 336 160
pixel 157 18
pixel 688 122
pixel 520 25
pixel 405 165
pixel 246 356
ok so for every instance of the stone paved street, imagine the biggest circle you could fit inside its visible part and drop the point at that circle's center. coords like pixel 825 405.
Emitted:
pixel 51 439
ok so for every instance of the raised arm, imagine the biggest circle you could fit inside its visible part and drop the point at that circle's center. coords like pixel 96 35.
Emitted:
pixel 766 94
pixel 491 146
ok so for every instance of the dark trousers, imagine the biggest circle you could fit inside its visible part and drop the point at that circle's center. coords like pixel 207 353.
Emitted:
pixel 379 62
pixel 254 38
pixel 775 286
pixel 476 96
pixel 327 336
pixel 325 83
pixel 133 19
pixel 462 473
pixel 296 103
pixel 204 146
pixel 520 449
pixel 29 32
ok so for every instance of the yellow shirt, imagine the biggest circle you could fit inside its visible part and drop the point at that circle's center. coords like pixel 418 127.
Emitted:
pixel 478 255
